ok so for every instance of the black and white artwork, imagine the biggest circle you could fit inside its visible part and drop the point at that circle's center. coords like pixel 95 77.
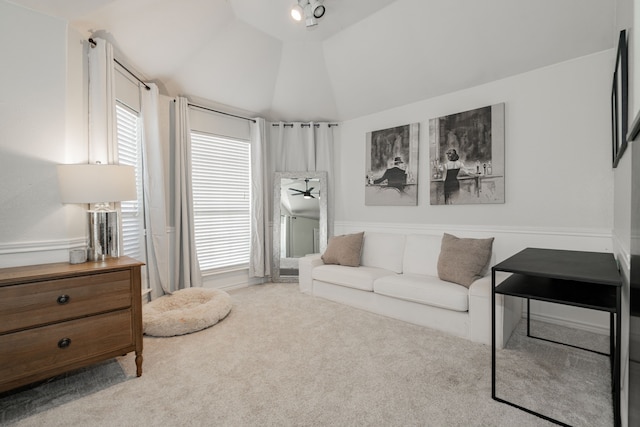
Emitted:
pixel 392 166
pixel 619 101
pixel 466 152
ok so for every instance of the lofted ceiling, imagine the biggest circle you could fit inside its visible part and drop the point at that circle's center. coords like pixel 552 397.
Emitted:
pixel 365 56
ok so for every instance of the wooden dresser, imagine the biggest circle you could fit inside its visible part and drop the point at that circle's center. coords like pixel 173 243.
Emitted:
pixel 58 317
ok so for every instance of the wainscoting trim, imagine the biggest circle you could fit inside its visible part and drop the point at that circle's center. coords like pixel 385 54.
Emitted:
pixel 424 228
pixel 42 246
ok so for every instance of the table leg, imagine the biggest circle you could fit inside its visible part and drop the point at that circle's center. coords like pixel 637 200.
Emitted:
pixel 612 341
pixel 138 364
pixel 617 352
pixel 528 317
pixel 493 334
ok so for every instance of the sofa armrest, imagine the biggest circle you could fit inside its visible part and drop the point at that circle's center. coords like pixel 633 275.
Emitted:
pixel 508 311
pixel 305 265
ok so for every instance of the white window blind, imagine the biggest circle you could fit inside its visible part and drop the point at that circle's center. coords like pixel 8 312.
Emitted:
pixel 221 176
pixel 129 153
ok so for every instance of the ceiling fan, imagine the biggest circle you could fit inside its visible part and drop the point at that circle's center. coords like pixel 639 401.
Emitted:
pixel 307 193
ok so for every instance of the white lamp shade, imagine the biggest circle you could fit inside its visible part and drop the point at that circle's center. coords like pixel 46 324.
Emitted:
pixel 96 183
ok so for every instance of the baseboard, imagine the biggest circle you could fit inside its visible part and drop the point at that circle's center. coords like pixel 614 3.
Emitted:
pixel 561 321
pixel 233 280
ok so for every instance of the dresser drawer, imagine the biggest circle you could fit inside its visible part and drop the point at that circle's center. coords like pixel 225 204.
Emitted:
pixel 43 349
pixel 38 303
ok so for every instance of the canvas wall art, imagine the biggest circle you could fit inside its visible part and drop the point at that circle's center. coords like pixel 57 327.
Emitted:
pixel 392 166
pixel 619 100
pixel 466 153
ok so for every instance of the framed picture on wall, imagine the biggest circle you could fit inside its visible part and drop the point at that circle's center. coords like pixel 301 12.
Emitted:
pixel 619 101
pixel 466 153
pixel 392 166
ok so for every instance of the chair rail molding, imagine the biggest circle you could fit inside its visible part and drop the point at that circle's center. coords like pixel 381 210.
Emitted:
pixel 15 254
pixel 595 239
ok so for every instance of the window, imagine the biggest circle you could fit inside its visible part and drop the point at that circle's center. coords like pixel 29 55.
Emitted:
pixel 129 153
pixel 221 174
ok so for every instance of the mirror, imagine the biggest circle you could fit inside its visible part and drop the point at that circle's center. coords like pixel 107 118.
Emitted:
pixel 299 220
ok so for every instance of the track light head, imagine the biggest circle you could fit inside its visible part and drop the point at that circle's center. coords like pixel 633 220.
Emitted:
pixel 317 8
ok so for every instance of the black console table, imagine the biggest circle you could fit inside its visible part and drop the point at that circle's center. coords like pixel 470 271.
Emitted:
pixel 582 279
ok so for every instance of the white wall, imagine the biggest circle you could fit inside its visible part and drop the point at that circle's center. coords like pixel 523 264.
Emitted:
pixel 41 125
pixel 558 171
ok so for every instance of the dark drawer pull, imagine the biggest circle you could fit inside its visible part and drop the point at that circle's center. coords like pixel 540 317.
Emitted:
pixel 64 343
pixel 63 299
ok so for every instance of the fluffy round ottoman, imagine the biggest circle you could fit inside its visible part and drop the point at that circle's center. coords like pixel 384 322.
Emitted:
pixel 185 311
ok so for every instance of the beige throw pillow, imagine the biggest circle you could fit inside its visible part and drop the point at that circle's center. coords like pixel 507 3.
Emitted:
pixel 463 261
pixel 344 250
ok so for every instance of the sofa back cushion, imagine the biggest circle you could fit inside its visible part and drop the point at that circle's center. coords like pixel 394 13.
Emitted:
pixel 383 250
pixel 421 254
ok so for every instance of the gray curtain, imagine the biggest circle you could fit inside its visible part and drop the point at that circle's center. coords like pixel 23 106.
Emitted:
pixel 186 267
pixel 260 258
pixel 157 247
pixel 324 161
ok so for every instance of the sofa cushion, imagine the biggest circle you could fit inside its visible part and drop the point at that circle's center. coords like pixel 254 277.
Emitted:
pixel 344 250
pixel 428 290
pixel 463 261
pixel 383 250
pixel 421 253
pixel 357 278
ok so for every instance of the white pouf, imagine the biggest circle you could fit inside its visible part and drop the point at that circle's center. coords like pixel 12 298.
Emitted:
pixel 185 311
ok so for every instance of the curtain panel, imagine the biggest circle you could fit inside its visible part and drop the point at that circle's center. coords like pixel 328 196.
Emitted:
pixel 186 267
pixel 102 104
pixel 260 257
pixel 157 247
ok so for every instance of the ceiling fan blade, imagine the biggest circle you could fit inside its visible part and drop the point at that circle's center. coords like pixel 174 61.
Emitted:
pixel 295 189
pixel 309 190
pixel 298 194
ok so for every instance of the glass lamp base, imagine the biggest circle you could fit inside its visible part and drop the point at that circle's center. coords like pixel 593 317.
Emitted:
pixel 103 235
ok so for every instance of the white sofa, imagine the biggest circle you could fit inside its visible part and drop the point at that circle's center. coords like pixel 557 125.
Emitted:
pixel 398 278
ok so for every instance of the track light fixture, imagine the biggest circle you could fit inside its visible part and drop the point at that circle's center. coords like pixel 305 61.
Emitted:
pixel 311 10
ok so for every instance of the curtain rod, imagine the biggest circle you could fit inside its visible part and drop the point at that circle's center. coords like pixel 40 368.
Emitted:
pixel 93 44
pixel 220 112
pixel 304 125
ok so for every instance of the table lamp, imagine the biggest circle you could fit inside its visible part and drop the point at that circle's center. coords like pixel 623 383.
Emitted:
pixel 100 185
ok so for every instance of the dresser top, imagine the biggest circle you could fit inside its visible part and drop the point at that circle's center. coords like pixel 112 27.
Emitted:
pixel 40 272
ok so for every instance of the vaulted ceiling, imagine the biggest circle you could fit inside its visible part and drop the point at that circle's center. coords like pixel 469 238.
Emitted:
pixel 364 56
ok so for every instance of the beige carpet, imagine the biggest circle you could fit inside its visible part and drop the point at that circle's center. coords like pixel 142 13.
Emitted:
pixel 282 358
